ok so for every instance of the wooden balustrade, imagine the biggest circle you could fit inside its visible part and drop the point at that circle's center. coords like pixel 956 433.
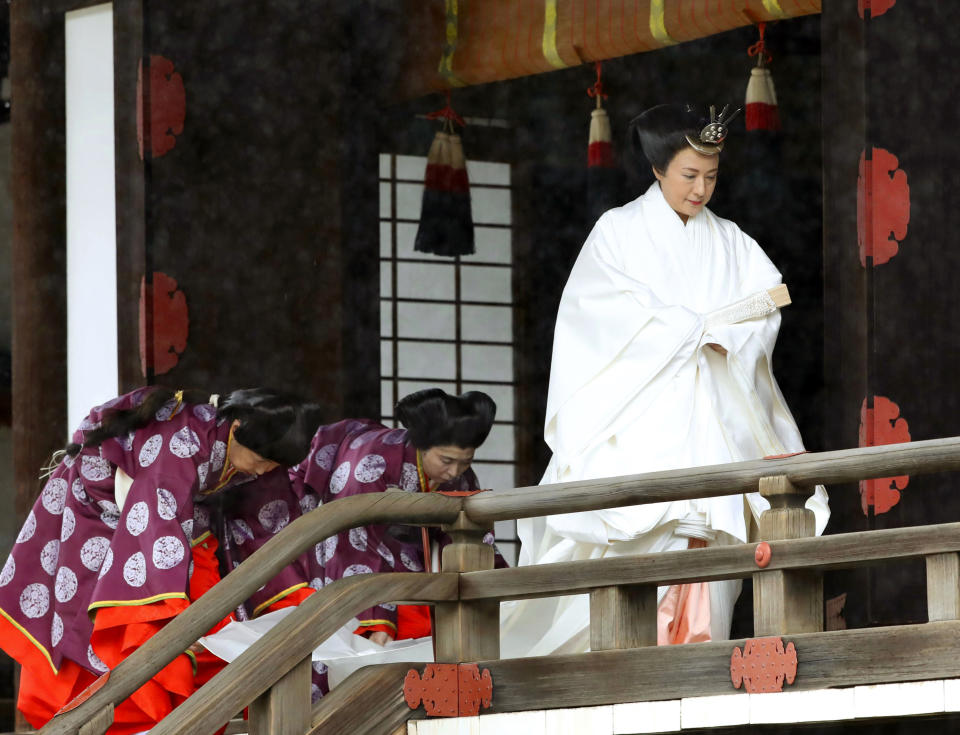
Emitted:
pixel 788 600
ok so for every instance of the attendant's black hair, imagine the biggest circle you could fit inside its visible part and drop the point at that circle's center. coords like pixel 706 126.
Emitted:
pixel 278 426
pixel 661 132
pixel 434 418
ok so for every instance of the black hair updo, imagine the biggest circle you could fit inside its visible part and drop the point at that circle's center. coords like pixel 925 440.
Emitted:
pixel 434 418
pixel 661 132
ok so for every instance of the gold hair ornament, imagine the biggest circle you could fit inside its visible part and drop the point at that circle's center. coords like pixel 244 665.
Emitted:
pixel 712 135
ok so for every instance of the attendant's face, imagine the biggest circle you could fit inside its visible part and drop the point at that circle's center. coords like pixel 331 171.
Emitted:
pixel 246 460
pixel 444 463
pixel 688 182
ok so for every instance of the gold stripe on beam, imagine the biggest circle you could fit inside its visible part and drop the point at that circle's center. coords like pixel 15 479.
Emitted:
pixel 773 7
pixel 658 23
pixel 550 52
pixel 450 44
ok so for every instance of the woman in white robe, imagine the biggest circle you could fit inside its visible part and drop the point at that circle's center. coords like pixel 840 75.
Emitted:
pixel 661 360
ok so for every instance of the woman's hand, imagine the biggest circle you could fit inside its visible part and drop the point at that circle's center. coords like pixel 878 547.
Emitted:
pixel 381 637
pixel 717 348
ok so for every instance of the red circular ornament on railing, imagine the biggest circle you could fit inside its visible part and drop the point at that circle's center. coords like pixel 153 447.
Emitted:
pixel 762 554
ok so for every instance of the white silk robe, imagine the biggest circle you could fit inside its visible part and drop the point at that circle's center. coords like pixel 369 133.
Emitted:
pixel 634 388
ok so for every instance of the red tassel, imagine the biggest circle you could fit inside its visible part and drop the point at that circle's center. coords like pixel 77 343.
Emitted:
pixel 762 112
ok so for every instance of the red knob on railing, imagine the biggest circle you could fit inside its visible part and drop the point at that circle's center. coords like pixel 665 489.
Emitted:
pixel 762 554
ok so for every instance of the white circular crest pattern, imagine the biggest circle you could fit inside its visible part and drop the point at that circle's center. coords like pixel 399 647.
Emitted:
pixel 218 453
pixel 324 456
pixel 358 538
pixel 320 667
pixel 137 518
pixel 394 437
pixel 29 528
pixel 107 563
pixel 414 565
pixel 94 551
pixel 355 569
pixel 187 527
pixel 125 441
pixel 9 569
pixel 35 600
pixel 326 549
pixel 370 468
pixel 201 519
pixel 54 495
pixel 168 551
pixel 185 443
pixel 316 583
pixel 167 410
pixel 109 513
pixel 95 469
pixel 150 450
pixel 386 554
pixel 203 469
pixel 49 556
pixel 338 480
pixel 95 661
pixel 66 585
pixel 56 630
pixel 309 502
pixel 135 570
pixel 166 504
pixel 205 412
pixel 388 606
pixel 240 531
pixel 78 492
pixel 68 525
pixel 410 478
pixel 274 516
pixel 364 438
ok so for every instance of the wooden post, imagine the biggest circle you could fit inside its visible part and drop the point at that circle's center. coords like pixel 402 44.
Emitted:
pixel 466 631
pixel 285 708
pixel 98 724
pixel 943 587
pixel 623 617
pixel 786 601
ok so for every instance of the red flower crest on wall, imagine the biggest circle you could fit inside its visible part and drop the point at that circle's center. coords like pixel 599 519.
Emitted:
pixel 882 424
pixel 876 7
pixel 883 206
pixel 170 324
pixel 168 107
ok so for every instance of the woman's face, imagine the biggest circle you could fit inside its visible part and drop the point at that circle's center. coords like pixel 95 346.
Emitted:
pixel 444 463
pixel 246 460
pixel 688 182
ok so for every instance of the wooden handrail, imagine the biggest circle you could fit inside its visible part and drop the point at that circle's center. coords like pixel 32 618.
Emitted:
pixel 368 702
pixel 292 639
pixel 664 568
pixel 430 509
pixel 823 468
pixel 263 565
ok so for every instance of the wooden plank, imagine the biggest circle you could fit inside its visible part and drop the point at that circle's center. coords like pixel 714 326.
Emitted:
pixel 368 702
pixel 826 468
pixel 182 631
pixel 943 587
pixel 713 563
pixel 831 659
pixel 466 631
pixel 786 601
pixel 285 708
pixel 623 617
pixel 98 724
pixel 312 622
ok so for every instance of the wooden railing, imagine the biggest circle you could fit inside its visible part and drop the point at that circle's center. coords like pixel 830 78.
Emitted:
pixel 273 676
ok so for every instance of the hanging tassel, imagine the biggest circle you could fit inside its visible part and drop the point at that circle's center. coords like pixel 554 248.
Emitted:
pixel 761 102
pixel 446 219
pixel 602 174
